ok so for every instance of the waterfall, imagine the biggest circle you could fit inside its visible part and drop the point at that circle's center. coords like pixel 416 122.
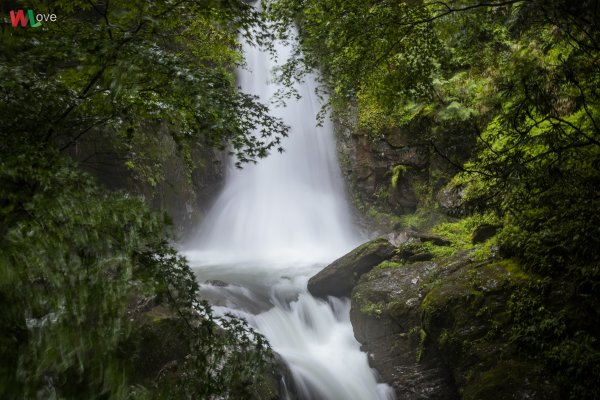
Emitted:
pixel 290 205
pixel 274 225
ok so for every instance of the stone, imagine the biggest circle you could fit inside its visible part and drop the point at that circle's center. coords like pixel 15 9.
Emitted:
pixel 483 232
pixel 402 236
pixel 401 196
pixel 438 241
pixel 386 317
pixel 216 282
pixel 409 249
pixel 425 256
pixel 449 199
pixel 397 138
pixel 435 330
pixel 338 278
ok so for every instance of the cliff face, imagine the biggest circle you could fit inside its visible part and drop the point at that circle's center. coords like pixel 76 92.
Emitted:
pixel 382 171
pixel 182 190
pixel 395 173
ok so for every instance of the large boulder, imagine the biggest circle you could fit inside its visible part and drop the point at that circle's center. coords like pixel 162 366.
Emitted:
pixel 386 317
pixel 483 233
pixel 437 330
pixel 338 278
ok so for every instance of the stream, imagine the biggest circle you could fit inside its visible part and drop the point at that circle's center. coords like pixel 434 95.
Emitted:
pixel 274 225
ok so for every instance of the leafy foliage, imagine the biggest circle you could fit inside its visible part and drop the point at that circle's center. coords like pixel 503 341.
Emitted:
pixel 131 68
pixel 75 258
pixel 72 258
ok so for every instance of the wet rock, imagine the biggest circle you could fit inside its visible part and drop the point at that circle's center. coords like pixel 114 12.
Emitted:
pixel 425 256
pixel 407 236
pixel 397 138
pixel 449 199
pixel 466 320
pixel 386 316
pixel 484 232
pixel 368 162
pixel 438 241
pixel 216 282
pixel 401 194
pixel 182 196
pixel 338 278
pixel 434 330
pixel 403 236
pixel 408 249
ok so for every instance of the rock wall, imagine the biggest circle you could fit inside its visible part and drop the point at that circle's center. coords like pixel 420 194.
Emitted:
pixel 384 170
pixel 184 196
pixel 397 171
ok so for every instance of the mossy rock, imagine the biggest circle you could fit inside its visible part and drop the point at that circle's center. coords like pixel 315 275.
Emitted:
pixel 338 278
pixel 386 317
pixel 468 325
pixel 484 232
pixel 510 379
pixel 446 319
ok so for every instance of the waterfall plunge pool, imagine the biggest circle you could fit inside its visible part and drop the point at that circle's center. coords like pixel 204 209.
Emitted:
pixel 313 337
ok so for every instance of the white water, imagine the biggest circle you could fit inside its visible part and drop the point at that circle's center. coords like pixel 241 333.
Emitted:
pixel 276 224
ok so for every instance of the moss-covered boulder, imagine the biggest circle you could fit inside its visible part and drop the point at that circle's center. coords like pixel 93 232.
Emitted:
pixel 468 324
pixel 338 278
pixel 440 330
pixel 386 316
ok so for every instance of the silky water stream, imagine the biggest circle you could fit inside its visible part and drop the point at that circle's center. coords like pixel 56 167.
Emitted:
pixel 276 224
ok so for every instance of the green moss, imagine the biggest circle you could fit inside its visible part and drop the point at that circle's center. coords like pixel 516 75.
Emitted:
pixel 381 194
pixel 514 269
pixel 460 233
pixel 382 218
pixel 422 219
pixel 440 252
pixel 484 251
pixel 462 229
pixel 444 337
pixel 373 309
pixel 500 382
pixel 388 264
pixel 431 303
pixel 396 173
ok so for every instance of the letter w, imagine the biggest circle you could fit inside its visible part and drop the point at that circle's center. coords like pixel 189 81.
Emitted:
pixel 18 18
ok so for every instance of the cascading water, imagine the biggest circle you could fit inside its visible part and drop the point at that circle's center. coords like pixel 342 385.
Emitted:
pixel 274 225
